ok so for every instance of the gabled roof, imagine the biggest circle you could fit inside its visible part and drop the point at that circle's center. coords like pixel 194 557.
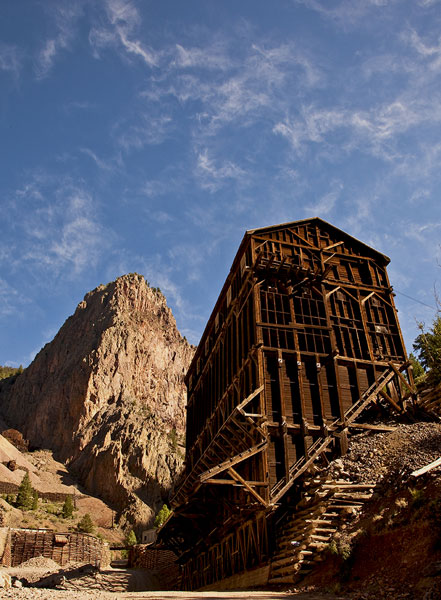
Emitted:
pixel 322 223
pixel 245 240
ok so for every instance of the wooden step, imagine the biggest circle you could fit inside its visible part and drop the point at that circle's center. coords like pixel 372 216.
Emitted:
pixel 320 538
pixel 289 547
pixel 284 570
pixel 290 569
pixel 291 552
pixel 299 513
pixel 294 530
pixel 318 546
pixel 288 579
pixel 295 535
pixel 350 496
pixel 280 562
pixel 320 522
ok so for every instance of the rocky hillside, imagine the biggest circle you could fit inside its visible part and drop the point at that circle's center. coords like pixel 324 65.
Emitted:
pixel 107 395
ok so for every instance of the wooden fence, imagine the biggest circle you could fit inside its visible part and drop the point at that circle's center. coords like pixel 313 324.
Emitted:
pixel 63 548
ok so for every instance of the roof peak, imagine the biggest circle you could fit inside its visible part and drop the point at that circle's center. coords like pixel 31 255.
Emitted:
pixel 317 220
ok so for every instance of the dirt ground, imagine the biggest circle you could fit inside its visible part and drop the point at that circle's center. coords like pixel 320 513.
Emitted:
pixel 31 594
pixel 120 583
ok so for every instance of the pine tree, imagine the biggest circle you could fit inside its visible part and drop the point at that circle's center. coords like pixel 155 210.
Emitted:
pixel 34 499
pixel 25 496
pixel 86 524
pixel 428 348
pixel 68 508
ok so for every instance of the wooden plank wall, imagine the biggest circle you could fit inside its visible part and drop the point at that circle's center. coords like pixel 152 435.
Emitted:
pixel 327 332
pixel 245 548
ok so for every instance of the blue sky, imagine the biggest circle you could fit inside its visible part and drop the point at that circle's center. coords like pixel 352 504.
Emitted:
pixel 148 136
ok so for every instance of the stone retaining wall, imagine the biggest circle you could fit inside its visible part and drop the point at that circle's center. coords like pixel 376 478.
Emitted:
pixel 12 488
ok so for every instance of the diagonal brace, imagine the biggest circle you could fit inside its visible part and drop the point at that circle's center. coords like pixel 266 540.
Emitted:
pixel 230 462
pixel 235 475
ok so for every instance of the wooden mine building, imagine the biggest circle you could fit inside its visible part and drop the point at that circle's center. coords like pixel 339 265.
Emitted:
pixel 302 343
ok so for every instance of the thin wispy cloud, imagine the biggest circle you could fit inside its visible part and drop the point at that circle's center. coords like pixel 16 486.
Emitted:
pixel 12 302
pixel 59 228
pixel 239 91
pixel 211 176
pixel 326 203
pixel 428 3
pixel 78 105
pixel 11 59
pixel 421 232
pixel 145 130
pixel 104 165
pixel 375 131
pixel 161 217
pixel 427 50
pixel 422 48
pixel 215 57
pixel 65 17
pixel 123 21
pixel 346 13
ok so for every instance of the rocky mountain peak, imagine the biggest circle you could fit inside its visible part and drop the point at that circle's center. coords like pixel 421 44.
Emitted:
pixel 107 395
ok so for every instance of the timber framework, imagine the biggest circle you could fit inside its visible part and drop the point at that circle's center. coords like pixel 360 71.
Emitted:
pixel 302 343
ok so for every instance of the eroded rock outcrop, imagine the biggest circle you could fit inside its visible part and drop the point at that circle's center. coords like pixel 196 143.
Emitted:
pixel 107 395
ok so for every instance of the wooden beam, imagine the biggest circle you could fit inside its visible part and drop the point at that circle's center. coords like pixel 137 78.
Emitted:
pixel 389 399
pixel 370 427
pixel 234 482
pixel 348 486
pixel 402 379
pixel 252 491
pixel 230 462
pixel 427 468
pixel 327 248
pixel 242 405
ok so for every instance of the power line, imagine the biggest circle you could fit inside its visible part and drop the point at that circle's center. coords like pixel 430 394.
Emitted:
pixel 415 300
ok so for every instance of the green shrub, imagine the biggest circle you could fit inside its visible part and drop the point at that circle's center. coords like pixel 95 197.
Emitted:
pixel 131 539
pixel 173 438
pixel 162 516
pixel 340 548
pixel 418 497
pixel 11 499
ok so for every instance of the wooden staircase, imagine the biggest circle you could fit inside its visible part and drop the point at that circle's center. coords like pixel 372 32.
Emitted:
pixel 238 438
pixel 305 533
pixel 322 443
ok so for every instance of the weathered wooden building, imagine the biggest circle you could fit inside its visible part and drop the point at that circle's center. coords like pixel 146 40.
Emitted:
pixel 303 341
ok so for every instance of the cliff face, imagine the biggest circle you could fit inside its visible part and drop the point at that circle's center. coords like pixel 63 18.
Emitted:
pixel 107 395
